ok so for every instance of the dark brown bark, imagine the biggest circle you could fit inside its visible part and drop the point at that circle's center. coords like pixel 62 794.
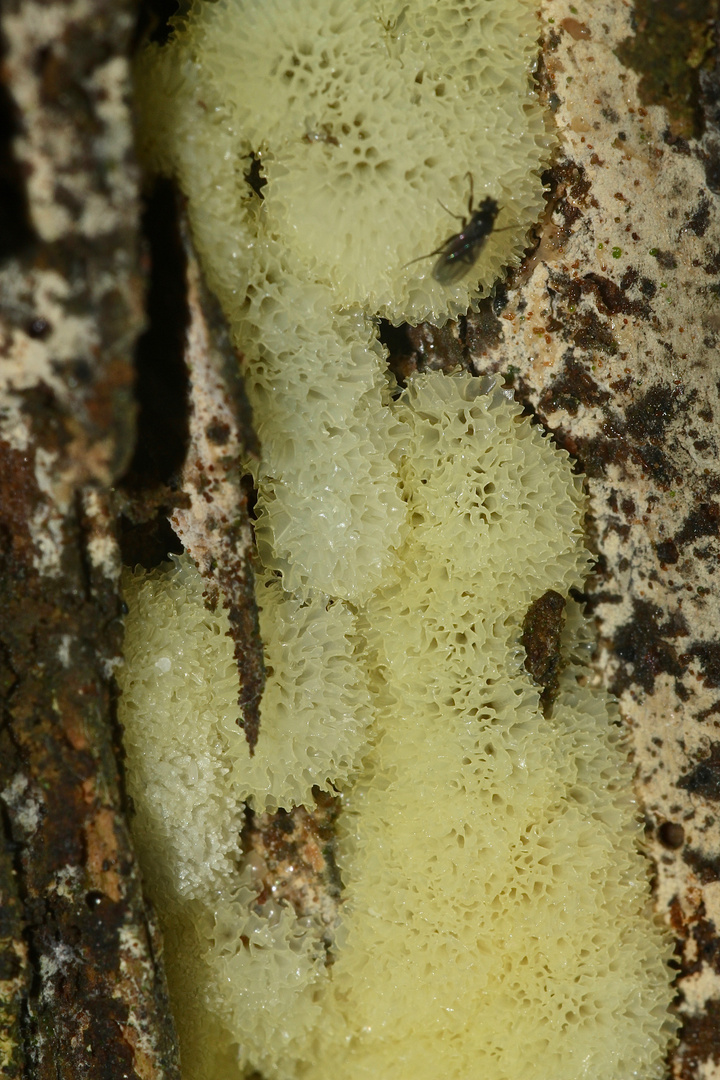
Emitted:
pixel 81 977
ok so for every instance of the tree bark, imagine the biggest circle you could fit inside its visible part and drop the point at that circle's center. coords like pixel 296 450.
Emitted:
pixel 607 333
pixel 81 977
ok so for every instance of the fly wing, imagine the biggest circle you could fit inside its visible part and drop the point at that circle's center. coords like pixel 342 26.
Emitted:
pixel 454 264
pixel 461 251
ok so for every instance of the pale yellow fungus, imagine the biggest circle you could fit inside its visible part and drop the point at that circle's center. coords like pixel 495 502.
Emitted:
pixel 495 919
pixel 365 117
pixel 315 693
pixel 496 910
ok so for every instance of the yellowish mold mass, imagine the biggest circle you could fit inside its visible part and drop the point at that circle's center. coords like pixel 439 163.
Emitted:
pixel 364 117
pixel 496 915
pixel 496 918
pixel 199 767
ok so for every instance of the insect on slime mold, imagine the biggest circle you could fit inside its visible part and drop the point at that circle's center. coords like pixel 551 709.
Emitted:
pixel 461 250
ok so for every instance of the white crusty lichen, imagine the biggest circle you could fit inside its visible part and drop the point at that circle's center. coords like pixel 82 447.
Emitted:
pixel 495 917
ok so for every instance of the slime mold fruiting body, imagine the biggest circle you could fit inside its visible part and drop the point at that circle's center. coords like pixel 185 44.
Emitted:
pixel 495 917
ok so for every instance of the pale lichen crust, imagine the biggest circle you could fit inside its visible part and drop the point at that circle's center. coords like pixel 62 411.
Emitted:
pixel 496 915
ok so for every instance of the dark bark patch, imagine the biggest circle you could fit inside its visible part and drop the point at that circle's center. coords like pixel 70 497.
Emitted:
pixel 541 631
pixel 699 1042
pixel 638 438
pixel 421 348
pixel 673 41
pixel 482 331
pixel 699 219
pixel 18 498
pixel 592 334
pixel 705 868
pixel 704 520
pixel 665 259
pixel 704 779
pixel 573 387
pixel 667 552
pixel 708 655
pixel 571 188
pixel 642 645
pixel 648 417
pixel 612 299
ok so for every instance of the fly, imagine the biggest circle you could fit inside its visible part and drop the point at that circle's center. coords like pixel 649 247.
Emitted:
pixel 461 250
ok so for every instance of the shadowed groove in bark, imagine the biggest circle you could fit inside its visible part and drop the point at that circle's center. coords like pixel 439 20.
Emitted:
pixel 161 388
pixel 16 232
pixel 153 20
pixel 150 487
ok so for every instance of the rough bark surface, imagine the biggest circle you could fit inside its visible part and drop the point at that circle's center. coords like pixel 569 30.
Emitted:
pixel 609 335
pixel 213 526
pixel 81 985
